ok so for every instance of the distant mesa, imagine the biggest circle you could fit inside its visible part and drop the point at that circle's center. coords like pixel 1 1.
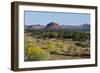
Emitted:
pixel 53 25
pixel 34 26
pixel 86 25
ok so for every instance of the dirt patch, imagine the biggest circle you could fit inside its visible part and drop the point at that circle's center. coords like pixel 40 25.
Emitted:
pixel 64 57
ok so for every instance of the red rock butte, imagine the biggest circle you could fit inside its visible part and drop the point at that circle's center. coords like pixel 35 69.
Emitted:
pixel 53 25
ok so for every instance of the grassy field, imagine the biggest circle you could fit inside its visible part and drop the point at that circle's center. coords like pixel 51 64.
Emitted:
pixel 38 48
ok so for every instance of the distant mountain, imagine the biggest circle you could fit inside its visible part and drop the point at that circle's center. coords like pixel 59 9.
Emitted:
pixel 85 27
pixel 53 26
pixel 35 26
pixel 56 26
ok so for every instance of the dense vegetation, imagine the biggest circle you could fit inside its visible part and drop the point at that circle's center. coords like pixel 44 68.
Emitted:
pixel 43 44
pixel 60 34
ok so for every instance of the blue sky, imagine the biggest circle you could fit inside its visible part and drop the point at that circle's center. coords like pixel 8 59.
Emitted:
pixel 43 18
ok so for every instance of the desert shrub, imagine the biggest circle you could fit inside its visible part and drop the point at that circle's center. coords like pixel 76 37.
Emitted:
pixel 50 46
pixel 55 46
pixel 86 51
pixel 74 50
pixel 37 54
pixel 30 42
pixel 61 47
pixel 82 44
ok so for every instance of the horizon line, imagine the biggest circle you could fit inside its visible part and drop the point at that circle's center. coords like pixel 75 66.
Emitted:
pixel 59 24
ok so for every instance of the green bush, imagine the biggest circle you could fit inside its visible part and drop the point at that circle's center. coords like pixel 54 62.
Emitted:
pixel 50 46
pixel 36 54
